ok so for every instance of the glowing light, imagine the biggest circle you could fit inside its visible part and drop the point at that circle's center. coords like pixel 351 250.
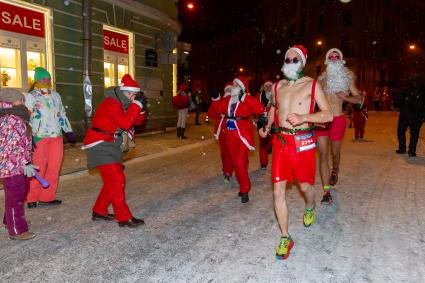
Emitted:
pixel 345 1
pixel 319 42
pixel 241 69
pixel 190 6
pixel 412 47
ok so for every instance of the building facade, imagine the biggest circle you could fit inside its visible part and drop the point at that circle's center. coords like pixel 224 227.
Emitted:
pixel 127 36
pixel 373 35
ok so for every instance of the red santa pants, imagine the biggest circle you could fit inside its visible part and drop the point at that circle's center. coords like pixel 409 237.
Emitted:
pixel 113 192
pixel 238 153
pixel 226 161
pixel 265 146
pixel 359 123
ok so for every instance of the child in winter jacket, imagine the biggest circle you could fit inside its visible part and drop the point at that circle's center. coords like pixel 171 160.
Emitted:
pixel 15 161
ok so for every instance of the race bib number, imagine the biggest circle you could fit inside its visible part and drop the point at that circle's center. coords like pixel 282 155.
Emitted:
pixel 305 141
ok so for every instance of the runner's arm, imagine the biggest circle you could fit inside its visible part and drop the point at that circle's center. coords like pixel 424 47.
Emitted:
pixel 356 97
pixel 270 118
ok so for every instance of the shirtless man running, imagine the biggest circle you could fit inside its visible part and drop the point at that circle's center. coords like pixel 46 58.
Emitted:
pixel 337 82
pixel 294 143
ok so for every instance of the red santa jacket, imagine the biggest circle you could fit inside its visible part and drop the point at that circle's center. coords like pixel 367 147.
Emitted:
pixel 110 116
pixel 247 107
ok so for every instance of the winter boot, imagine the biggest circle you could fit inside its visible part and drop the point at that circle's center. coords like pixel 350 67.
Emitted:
pixel 23 236
pixel 182 136
pixel 244 197
pixel 284 248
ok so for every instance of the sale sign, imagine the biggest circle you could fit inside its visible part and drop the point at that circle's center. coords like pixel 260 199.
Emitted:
pixel 114 41
pixel 21 20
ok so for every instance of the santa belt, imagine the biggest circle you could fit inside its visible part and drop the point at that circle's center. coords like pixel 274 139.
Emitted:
pixel 237 118
pixel 291 131
pixel 116 134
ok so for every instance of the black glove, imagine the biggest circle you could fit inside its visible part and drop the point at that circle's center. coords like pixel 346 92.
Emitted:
pixel 213 94
pixel 262 120
pixel 140 96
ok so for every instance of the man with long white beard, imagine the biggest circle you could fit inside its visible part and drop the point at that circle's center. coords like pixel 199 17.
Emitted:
pixel 338 82
pixel 294 142
pixel 236 128
pixel 265 97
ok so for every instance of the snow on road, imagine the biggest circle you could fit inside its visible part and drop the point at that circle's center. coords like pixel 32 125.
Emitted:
pixel 198 231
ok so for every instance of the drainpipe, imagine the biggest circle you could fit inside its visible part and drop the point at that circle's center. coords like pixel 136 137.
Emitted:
pixel 87 84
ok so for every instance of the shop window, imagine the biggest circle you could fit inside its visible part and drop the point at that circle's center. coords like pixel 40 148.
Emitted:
pixel 25 43
pixel 118 55
pixel 10 67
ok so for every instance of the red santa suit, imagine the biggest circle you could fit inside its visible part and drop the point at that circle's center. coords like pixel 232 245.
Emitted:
pixel 102 145
pixel 265 143
pixel 359 119
pixel 226 161
pixel 236 128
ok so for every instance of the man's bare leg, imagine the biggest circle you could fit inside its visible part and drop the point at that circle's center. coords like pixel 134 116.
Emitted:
pixel 280 207
pixel 336 158
pixel 308 191
pixel 323 143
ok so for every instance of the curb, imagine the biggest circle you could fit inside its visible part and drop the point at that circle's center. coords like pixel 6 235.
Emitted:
pixel 146 158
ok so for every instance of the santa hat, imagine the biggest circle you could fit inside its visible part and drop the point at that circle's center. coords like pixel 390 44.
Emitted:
pixel 183 87
pixel 128 84
pixel 301 51
pixel 268 82
pixel 242 82
pixel 334 50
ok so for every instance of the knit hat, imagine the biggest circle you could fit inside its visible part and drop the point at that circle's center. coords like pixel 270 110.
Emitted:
pixel 334 50
pixel 242 82
pixel 41 73
pixel 183 87
pixel 10 95
pixel 127 83
pixel 301 51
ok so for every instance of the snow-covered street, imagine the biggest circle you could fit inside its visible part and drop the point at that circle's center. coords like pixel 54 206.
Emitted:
pixel 197 230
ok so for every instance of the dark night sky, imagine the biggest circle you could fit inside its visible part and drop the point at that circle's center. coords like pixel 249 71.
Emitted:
pixel 211 18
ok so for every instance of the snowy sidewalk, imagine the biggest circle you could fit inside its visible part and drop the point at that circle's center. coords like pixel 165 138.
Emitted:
pixel 198 231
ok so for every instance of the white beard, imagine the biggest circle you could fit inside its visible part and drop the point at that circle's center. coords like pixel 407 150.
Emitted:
pixel 236 91
pixel 227 93
pixel 338 78
pixel 291 70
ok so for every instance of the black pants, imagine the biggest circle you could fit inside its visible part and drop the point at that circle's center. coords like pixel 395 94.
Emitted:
pixel 198 112
pixel 414 126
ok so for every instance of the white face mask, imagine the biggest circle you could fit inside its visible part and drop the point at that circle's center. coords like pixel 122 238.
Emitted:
pixel 291 70
pixel 236 91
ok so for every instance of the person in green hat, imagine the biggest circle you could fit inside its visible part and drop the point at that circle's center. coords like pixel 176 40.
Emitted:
pixel 48 119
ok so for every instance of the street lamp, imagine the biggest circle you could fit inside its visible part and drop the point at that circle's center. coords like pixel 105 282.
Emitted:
pixel 412 47
pixel 241 69
pixel 319 43
pixel 190 6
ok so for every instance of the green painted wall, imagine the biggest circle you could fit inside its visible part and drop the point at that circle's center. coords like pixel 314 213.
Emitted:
pixel 68 54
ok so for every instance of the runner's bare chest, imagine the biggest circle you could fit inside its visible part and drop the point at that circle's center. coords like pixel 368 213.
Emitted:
pixel 293 98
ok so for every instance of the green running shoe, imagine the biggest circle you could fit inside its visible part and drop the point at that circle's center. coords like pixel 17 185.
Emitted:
pixel 308 217
pixel 284 248
pixel 226 179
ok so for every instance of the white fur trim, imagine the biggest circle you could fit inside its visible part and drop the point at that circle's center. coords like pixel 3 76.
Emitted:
pixel 138 103
pixel 303 58
pixel 130 88
pixel 337 51
pixel 239 82
pixel 91 144
pixel 215 99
